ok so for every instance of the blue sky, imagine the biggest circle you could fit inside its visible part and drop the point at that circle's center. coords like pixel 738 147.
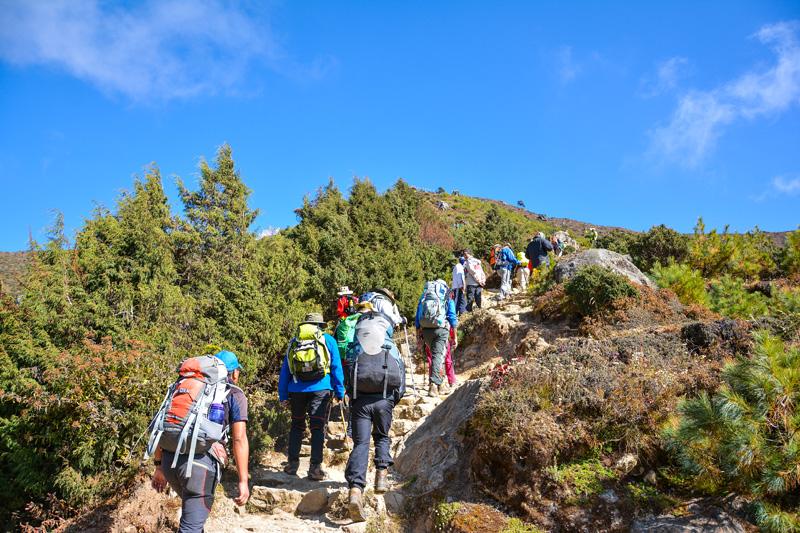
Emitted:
pixel 617 113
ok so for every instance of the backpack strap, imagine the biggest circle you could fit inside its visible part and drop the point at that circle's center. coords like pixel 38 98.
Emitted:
pixel 289 359
pixel 198 406
pixel 157 424
pixel 385 371
pixel 355 379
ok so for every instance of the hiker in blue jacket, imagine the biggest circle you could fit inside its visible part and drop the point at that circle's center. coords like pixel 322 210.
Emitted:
pixel 436 332
pixel 309 395
pixel 505 264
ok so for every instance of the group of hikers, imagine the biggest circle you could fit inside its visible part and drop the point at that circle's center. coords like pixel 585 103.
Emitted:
pixel 359 365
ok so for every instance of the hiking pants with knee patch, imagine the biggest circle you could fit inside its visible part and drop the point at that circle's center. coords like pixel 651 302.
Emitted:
pixel 313 405
pixel 196 492
pixel 436 340
pixel 370 413
pixel 505 282
pixel 474 296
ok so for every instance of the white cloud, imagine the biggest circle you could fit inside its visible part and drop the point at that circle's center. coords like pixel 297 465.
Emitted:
pixel 160 49
pixel 568 68
pixel 701 116
pixel 269 232
pixel 667 75
pixel 780 186
pixel 785 185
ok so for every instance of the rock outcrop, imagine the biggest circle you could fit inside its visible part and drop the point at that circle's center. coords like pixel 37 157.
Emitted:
pixel 621 264
pixel 699 519
pixel 435 447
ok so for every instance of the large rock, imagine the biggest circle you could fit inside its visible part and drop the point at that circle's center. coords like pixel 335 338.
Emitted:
pixel 268 499
pixel 621 264
pixel 314 502
pixel 568 241
pixel 699 519
pixel 434 449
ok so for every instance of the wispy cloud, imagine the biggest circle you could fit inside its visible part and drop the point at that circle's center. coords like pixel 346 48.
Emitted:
pixel 701 116
pixel 568 67
pixel 667 75
pixel 160 49
pixel 271 231
pixel 786 185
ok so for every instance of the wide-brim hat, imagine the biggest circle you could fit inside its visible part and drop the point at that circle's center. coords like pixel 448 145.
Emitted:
pixel 344 291
pixel 314 318
pixel 386 292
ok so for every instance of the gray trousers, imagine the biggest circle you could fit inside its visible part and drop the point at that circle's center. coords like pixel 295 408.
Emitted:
pixel 436 339
pixel 505 282
pixel 196 492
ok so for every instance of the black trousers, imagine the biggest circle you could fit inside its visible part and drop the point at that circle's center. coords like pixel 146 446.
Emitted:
pixel 369 413
pixel 473 296
pixel 313 405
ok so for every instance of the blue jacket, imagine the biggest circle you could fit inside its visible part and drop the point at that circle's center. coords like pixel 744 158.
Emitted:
pixel 450 312
pixel 507 256
pixel 286 383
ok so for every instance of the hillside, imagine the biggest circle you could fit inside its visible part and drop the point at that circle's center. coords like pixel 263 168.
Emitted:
pixel 597 353
pixel 12 270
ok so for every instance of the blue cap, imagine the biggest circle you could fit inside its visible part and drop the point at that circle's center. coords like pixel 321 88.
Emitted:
pixel 230 360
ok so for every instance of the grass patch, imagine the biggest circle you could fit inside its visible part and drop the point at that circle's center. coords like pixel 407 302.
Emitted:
pixel 584 478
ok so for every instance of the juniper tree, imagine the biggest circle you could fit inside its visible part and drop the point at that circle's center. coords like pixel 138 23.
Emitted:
pixel 746 437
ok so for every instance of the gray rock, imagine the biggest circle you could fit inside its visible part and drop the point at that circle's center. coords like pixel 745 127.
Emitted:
pixel 395 502
pixel 435 447
pixel 314 502
pixel 267 499
pixel 568 241
pixel 609 497
pixel 650 477
pixel 699 520
pixel 626 463
pixel 621 264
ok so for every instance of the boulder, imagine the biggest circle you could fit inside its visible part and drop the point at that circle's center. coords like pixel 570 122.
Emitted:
pixel 699 519
pixel 433 451
pixel 627 463
pixel 730 334
pixel 314 502
pixel 395 501
pixel 568 241
pixel 267 499
pixel 401 426
pixel 621 264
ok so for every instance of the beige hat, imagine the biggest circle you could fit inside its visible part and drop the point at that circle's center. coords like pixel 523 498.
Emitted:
pixel 344 291
pixel 314 318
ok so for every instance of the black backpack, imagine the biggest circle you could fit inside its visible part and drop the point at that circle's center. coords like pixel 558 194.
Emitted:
pixel 380 372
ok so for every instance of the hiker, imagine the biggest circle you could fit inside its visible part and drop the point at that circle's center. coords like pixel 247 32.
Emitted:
pixel 558 245
pixel 592 235
pixel 475 279
pixel 449 367
pixel 457 287
pixel 311 369
pixel 436 323
pixel 194 475
pixel 346 303
pixel 505 263
pixel 522 271
pixel 537 251
pixel 383 301
pixel 375 384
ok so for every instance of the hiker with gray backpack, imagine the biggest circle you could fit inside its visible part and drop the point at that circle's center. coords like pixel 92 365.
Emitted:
pixel 375 384
pixel 436 324
pixel 311 369
pixel 189 432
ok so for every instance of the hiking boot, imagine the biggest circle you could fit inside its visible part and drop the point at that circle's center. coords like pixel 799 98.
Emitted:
pixel 381 480
pixel 355 506
pixel 316 473
pixel 444 389
pixel 433 390
pixel 291 468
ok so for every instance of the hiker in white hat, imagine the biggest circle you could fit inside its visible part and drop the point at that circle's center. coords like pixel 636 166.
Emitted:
pixel 346 303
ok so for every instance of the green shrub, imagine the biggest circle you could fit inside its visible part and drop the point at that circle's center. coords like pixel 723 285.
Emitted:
pixel 746 256
pixel 728 296
pixel 443 514
pixel 659 245
pixel 746 437
pixel 515 525
pixel 616 240
pixel 584 478
pixel 594 289
pixel 687 283
pixel 790 255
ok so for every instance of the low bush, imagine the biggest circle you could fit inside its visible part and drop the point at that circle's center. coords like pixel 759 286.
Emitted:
pixel 729 297
pixel 594 290
pixel 659 246
pixel 617 241
pixel 687 283
pixel 746 437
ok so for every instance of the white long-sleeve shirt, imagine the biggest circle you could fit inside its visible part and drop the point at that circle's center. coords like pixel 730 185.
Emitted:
pixel 458 276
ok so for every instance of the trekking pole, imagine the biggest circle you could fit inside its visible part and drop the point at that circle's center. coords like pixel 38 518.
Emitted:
pixel 407 358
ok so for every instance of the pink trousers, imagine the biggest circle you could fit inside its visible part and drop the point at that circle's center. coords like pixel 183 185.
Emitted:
pixel 448 363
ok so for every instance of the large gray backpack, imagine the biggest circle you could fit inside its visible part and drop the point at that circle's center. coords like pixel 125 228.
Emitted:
pixel 182 424
pixel 374 363
pixel 434 305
